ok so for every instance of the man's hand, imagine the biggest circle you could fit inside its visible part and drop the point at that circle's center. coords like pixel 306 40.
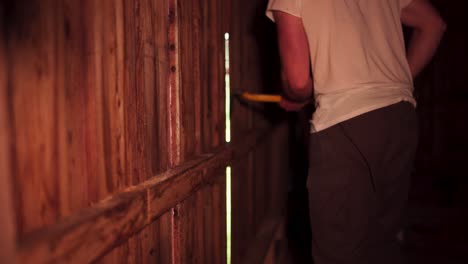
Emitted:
pixel 291 106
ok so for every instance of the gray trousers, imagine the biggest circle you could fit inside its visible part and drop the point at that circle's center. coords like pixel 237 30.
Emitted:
pixel 358 186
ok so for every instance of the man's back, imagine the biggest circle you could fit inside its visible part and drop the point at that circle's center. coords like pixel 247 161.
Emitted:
pixel 355 43
pixel 358 56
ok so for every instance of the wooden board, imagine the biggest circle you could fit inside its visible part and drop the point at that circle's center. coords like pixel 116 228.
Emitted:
pixel 114 113
pixel 7 221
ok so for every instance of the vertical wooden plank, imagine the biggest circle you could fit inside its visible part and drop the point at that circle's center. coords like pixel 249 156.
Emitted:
pixel 183 249
pixel 199 57
pixel 98 184
pixel 146 79
pixel 212 74
pixel 161 123
pixel 83 92
pixel 134 92
pixel 190 89
pixel 33 97
pixel 244 206
pixel 250 174
pixel 121 134
pixel 135 110
pixel 206 224
pixel 174 122
pixel 153 244
pixel 129 91
pixel 75 87
pixel 7 219
pixel 164 238
pixel 205 73
pixel 223 13
pixel 243 71
pixel 149 46
pixel 219 220
pixel 61 153
pixel 113 95
pixel 188 230
pixel 201 207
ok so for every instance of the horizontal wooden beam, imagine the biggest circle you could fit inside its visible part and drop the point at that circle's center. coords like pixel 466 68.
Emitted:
pixel 92 232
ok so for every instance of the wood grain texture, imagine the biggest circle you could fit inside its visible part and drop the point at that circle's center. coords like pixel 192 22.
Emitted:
pixel 134 92
pixel 86 236
pixel 33 98
pixel 243 228
pixel 173 98
pixel 189 179
pixel 154 247
pixel 112 129
pixel 7 220
pixel 190 88
pixel 205 207
pixel 115 114
pixel 83 98
pixel 211 57
pixel 93 232
pixel 160 124
pixel 113 95
pixel 218 229
pixel 186 232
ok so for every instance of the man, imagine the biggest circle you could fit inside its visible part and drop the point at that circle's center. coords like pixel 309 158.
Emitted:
pixel 364 130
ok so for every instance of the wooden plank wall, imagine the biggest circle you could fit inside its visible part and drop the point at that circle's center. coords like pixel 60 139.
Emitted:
pixel 7 220
pixel 112 145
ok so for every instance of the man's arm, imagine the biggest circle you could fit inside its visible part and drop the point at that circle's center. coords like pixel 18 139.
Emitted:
pixel 295 59
pixel 428 29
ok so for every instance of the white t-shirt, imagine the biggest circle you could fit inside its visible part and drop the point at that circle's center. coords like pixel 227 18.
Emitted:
pixel 357 53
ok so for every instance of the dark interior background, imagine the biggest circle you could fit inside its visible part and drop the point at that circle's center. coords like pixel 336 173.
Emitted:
pixel 437 214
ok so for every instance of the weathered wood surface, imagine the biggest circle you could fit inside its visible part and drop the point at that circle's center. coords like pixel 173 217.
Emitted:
pixel 7 219
pixel 174 116
pixel 115 131
pixel 117 218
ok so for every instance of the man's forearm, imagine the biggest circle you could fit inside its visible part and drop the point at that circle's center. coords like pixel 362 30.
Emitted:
pixel 422 47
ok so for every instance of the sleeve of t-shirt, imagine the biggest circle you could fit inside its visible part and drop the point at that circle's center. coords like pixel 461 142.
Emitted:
pixel 293 7
pixel 404 3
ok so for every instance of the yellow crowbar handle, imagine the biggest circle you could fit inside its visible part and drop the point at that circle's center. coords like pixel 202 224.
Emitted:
pixel 265 98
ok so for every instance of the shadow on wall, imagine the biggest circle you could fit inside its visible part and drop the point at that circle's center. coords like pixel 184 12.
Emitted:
pixel 264 32
pixel 16 17
pixel 298 225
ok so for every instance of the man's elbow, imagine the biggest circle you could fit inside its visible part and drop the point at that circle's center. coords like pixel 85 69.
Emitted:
pixel 440 25
pixel 300 85
pixel 436 24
